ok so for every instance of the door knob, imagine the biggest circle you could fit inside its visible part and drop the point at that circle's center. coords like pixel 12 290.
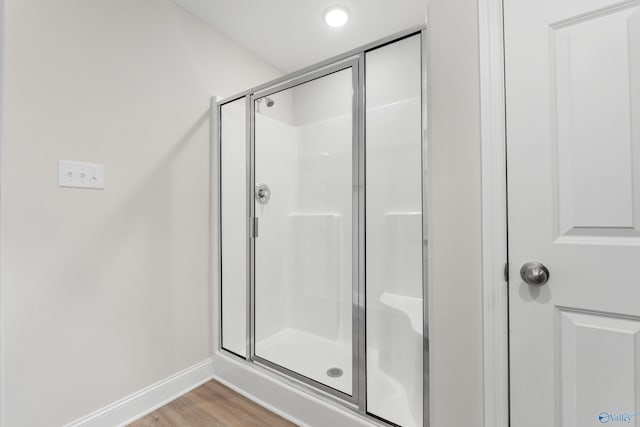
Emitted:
pixel 263 193
pixel 534 273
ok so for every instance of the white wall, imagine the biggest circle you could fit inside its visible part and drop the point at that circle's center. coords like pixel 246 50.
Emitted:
pixel 106 292
pixel 455 214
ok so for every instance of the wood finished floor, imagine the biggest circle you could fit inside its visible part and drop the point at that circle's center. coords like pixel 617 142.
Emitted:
pixel 212 405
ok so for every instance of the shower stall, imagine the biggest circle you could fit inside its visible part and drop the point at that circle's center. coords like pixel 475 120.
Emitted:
pixel 322 233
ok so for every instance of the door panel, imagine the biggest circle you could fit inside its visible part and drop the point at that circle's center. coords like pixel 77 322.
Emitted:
pixel 593 81
pixel 598 364
pixel 573 134
pixel 304 142
pixel 394 292
pixel 233 221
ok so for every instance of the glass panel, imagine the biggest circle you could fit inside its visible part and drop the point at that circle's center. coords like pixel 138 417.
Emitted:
pixel 233 174
pixel 303 255
pixel 394 232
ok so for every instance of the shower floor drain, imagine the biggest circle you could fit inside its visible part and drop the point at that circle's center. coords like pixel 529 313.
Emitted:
pixel 334 372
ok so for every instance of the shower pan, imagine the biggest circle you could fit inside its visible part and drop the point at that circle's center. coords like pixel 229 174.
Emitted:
pixel 322 237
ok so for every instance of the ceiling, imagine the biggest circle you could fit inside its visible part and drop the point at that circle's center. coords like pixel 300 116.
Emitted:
pixel 291 34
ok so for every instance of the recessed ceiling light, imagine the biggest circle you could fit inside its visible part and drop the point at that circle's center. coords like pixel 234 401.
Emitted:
pixel 336 16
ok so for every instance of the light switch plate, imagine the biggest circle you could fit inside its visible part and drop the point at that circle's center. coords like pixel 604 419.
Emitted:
pixel 80 175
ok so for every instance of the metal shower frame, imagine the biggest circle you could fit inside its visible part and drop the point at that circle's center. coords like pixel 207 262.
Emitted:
pixel 354 60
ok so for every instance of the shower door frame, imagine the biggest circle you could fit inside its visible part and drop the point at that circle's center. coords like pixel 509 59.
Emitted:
pixel 357 240
pixel 355 60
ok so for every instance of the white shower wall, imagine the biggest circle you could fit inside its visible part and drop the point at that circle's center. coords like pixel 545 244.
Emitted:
pixel 394 242
pixel 394 265
pixel 303 255
pixel 233 215
pixel 275 302
pixel 325 164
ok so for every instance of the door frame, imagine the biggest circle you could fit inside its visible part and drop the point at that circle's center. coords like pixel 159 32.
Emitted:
pixel 354 64
pixel 495 301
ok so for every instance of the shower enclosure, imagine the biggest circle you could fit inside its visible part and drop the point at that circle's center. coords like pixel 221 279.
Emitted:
pixel 322 232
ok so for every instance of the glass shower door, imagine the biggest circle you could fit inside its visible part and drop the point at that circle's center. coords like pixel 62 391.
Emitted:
pixel 304 200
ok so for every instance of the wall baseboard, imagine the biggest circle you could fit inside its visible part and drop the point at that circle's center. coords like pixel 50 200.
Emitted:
pixel 148 399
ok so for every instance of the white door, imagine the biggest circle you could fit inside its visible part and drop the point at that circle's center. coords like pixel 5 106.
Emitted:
pixel 573 140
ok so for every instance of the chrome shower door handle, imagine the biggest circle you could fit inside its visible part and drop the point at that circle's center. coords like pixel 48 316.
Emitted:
pixel 263 193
